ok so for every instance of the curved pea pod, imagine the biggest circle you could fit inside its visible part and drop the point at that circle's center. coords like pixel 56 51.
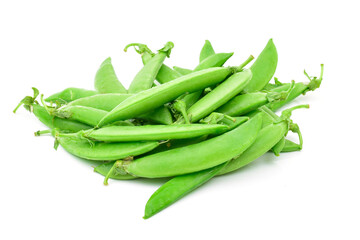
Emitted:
pixel 103 151
pixel 165 74
pixel 159 95
pixel 216 60
pixel 106 80
pixel 144 79
pixel 177 188
pixel 299 89
pixel 219 96
pixel 70 94
pixel 105 168
pixel 182 71
pixel 106 102
pixel 263 68
pixel 152 132
pixel 195 157
pixel 206 51
pixel 248 102
pixel 267 138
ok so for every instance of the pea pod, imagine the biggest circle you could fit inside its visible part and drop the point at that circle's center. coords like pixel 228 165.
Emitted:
pixel 195 157
pixel 248 102
pixel 70 94
pixel 177 188
pixel 83 110
pixel 216 60
pixel 206 51
pixel 220 95
pixel 103 151
pixel 267 138
pixel 106 80
pixel 299 89
pixel 151 132
pixel 159 95
pixel 106 102
pixel 278 147
pixel 263 68
pixel 144 79
pixel 64 125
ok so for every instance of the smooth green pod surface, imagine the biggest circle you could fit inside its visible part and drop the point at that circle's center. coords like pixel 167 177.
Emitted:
pixel 159 95
pixel 144 79
pixel 263 68
pixel 152 132
pixel 87 115
pixel 206 51
pixel 106 80
pixel 219 96
pixel 216 60
pixel 198 156
pixel 265 140
pixel 106 102
pixel 70 94
pixel 104 151
pixel 165 74
pixel 177 188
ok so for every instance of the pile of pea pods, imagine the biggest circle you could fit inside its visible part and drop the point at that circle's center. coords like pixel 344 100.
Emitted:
pixel 188 125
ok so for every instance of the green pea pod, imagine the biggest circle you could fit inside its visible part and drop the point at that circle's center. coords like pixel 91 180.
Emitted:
pixel 88 115
pixel 103 151
pixel 177 188
pixel 299 89
pixel 267 138
pixel 106 80
pixel 278 147
pixel 206 51
pixel 216 60
pixel 219 96
pixel 106 102
pixel 263 68
pixel 159 95
pixel 165 74
pixel 151 132
pixel 144 79
pixel 195 157
pixel 64 125
pixel 105 168
pixel 70 94
pixel 182 71
pixel 248 102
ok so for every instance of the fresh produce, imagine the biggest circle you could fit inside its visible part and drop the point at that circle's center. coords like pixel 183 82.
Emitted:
pixel 188 125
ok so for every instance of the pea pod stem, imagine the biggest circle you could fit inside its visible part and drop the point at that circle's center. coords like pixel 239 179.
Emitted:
pixel 247 61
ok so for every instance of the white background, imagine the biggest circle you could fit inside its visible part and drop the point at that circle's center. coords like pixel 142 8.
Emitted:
pixel 312 194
